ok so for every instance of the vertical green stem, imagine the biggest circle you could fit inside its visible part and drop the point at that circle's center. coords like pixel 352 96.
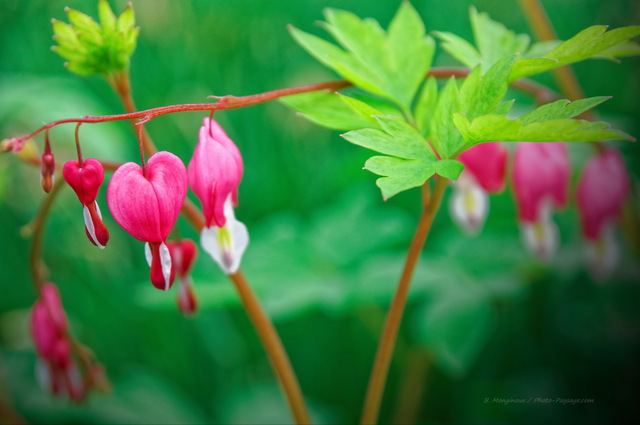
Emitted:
pixel 38 269
pixel 273 346
pixel 394 316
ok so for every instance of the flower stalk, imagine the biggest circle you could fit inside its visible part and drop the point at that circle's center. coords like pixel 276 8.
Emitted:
pixel 380 370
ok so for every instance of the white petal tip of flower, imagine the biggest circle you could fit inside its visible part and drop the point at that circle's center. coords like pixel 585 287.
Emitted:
pixel 541 239
pixel 165 261
pixel 469 206
pixel 88 223
pixel 602 254
pixel 226 245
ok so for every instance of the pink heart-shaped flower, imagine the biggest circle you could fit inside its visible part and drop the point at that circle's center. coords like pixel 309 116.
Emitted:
pixel 85 179
pixel 146 202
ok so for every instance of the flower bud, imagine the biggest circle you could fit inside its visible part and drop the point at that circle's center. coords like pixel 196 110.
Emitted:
pixel 47 171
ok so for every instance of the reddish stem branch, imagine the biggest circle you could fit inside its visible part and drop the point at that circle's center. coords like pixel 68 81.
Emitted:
pixel 233 102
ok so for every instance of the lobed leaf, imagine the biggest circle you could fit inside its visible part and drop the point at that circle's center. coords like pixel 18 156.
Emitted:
pixel 562 109
pixel 459 48
pixel 494 40
pixel 489 128
pixel 425 105
pixel 590 42
pixel 392 65
pixel 326 109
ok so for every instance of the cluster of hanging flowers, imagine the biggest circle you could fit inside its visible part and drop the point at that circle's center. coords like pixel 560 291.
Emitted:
pixel 145 200
pixel 540 177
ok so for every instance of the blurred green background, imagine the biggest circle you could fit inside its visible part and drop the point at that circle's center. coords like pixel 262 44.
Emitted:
pixel 484 320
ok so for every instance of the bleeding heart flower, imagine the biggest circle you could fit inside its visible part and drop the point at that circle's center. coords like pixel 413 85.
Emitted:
pixel 146 202
pixel 484 173
pixel 602 190
pixel 541 174
pixel 183 254
pixel 56 370
pixel 85 178
pixel 215 171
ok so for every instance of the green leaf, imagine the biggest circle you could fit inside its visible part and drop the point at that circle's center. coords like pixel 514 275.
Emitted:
pixel 396 138
pixel 85 24
pixel 562 109
pixel 449 168
pixel 426 105
pixel 107 18
pixel 361 108
pixel 338 60
pixel 364 39
pixel 626 48
pixel 488 128
pixel 412 161
pixel 494 40
pixel 459 48
pixel 503 108
pixel 410 53
pixel 443 134
pixel 400 174
pixel 392 65
pixel 590 42
pixel 328 110
pixel 480 94
pixel 126 20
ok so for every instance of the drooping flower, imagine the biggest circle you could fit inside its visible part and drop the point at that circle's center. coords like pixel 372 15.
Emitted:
pixel 484 173
pixel 86 178
pixel 183 254
pixel 146 202
pixel 215 171
pixel 602 190
pixel 56 369
pixel 541 174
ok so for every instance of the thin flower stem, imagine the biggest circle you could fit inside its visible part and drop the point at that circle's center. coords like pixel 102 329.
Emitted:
pixel 232 102
pixel 36 227
pixel 121 83
pixel 261 322
pixel 78 149
pixel 273 346
pixel 380 370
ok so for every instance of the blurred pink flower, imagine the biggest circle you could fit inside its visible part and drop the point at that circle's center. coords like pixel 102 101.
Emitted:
pixel 146 203
pixel 183 254
pixel 86 179
pixel 56 370
pixel 484 173
pixel 541 175
pixel 215 171
pixel 602 191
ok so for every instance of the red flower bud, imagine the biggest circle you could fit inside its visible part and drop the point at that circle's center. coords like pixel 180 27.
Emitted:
pixel 47 171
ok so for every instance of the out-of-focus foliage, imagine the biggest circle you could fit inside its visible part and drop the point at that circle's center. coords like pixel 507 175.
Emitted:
pixel 484 321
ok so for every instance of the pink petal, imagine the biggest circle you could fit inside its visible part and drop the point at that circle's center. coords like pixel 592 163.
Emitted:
pixel 214 172
pixel 541 172
pixel 85 180
pixel 147 203
pixel 602 190
pixel 487 163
